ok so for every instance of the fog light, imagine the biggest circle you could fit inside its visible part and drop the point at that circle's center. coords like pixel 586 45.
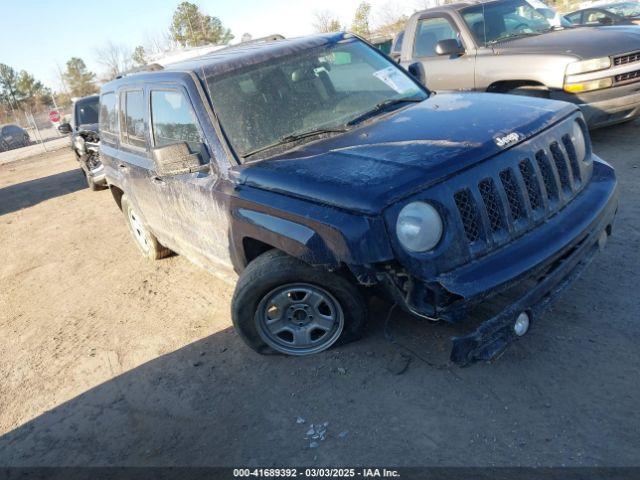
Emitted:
pixel 521 325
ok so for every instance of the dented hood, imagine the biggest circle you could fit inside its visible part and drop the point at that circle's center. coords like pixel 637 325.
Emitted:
pixel 396 155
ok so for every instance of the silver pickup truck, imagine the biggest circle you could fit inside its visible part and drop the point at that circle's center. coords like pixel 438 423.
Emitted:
pixel 524 47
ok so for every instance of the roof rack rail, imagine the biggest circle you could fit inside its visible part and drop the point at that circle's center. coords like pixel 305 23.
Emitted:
pixel 151 67
pixel 269 38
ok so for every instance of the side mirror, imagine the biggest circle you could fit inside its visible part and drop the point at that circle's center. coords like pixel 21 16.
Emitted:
pixel 605 21
pixel 176 159
pixel 416 70
pixel 449 47
pixel 64 128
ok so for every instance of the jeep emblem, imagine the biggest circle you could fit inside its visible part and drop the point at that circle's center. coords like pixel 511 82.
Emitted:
pixel 507 139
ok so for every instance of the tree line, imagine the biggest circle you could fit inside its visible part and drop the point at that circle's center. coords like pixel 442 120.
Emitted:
pixel 190 27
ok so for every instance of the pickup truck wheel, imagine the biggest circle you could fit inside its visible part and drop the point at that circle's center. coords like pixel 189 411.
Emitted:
pixel 283 304
pixel 144 239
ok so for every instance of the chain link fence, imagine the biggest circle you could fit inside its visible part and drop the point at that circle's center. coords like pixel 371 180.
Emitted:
pixel 43 133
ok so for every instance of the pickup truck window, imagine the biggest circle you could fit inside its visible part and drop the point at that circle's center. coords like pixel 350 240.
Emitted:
pixel 501 21
pixel 87 111
pixel 108 116
pixel 430 32
pixel 133 113
pixel 316 89
pixel 172 119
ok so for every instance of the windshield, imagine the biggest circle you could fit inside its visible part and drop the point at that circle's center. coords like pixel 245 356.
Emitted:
pixel 626 9
pixel 498 21
pixel 87 111
pixel 317 90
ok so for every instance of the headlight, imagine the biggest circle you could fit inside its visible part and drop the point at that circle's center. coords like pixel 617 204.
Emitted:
pixel 588 86
pixel 586 66
pixel 579 142
pixel 419 227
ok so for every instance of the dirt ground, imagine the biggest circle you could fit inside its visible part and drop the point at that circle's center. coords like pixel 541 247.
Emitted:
pixel 108 359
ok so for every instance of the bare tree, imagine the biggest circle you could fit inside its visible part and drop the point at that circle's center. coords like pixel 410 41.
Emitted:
pixel 115 58
pixel 390 18
pixel 325 21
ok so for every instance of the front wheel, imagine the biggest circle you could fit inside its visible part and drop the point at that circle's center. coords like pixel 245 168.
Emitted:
pixel 283 304
pixel 144 239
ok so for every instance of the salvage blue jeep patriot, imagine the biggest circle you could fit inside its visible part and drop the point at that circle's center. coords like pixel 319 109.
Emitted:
pixel 320 170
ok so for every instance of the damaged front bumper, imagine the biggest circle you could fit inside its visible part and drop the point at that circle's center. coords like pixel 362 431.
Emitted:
pixel 537 267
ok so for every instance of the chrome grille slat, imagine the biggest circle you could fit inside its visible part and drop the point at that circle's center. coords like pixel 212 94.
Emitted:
pixel 628 77
pixel 626 59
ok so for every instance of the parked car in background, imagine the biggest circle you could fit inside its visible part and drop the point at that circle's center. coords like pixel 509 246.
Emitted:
pixel 523 47
pixel 326 171
pixel 396 47
pixel 84 137
pixel 13 136
pixel 595 17
pixel 621 13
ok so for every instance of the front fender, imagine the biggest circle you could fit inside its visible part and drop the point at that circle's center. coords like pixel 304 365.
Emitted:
pixel 316 234
pixel 548 70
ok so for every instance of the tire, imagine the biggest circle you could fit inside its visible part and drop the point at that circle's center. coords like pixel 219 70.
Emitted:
pixel 275 277
pixel 143 238
pixel 530 91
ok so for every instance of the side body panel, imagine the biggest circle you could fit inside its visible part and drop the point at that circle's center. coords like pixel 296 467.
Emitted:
pixel 443 73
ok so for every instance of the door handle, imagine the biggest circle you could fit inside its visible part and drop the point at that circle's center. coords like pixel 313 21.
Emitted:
pixel 124 166
pixel 158 180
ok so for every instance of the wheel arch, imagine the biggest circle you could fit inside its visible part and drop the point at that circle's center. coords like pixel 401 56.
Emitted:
pixel 117 194
pixel 504 86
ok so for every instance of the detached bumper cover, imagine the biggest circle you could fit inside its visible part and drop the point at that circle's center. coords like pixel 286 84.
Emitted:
pixel 549 257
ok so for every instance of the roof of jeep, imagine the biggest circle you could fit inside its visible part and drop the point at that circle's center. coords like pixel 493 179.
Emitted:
pixel 236 56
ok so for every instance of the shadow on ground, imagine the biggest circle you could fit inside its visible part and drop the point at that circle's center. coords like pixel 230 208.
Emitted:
pixel 560 398
pixel 30 193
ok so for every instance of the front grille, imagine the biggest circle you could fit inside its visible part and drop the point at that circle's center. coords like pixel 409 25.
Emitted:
pixel 469 213
pixel 520 194
pixel 510 185
pixel 531 184
pixel 491 203
pixel 628 77
pixel 625 59
pixel 546 169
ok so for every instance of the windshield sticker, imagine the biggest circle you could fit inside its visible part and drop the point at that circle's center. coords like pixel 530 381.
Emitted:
pixel 395 79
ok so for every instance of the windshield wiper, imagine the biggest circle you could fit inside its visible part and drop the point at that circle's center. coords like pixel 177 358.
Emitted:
pixel 294 137
pixel 511 36
pixel 383 106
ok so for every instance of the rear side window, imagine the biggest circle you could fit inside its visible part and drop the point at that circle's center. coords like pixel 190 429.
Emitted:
pixel 172 119
pixel 108 118
pixel 397 43
pixel 430 32
pixel 133 116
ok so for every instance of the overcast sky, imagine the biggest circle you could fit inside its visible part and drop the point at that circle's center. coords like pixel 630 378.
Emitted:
pixel 39 35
